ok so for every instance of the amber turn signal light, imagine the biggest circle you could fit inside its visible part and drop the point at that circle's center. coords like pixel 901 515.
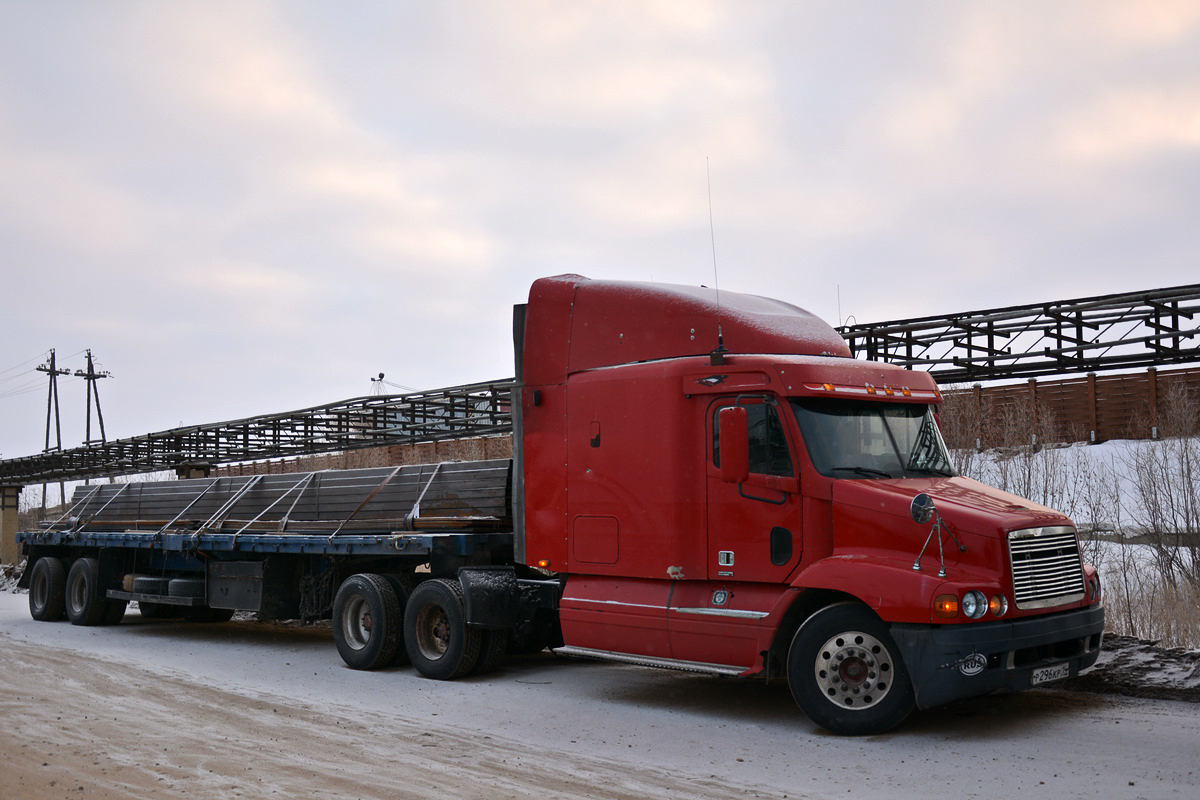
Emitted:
pixel 945 606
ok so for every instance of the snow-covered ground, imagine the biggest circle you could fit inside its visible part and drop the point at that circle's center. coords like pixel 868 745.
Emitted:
pixel 159 709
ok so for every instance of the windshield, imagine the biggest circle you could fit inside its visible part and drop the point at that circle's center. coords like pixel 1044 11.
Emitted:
pixel 864 439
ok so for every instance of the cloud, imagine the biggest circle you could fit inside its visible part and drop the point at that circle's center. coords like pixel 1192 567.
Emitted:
pixel 1133 123
pixel 367 187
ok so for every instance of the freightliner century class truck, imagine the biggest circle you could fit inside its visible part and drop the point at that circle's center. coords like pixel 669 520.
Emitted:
pixel 703 481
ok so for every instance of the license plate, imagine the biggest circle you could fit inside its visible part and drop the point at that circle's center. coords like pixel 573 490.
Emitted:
pixel 1055 672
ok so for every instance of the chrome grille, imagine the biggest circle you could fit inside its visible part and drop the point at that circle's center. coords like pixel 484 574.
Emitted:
pixel 1047 566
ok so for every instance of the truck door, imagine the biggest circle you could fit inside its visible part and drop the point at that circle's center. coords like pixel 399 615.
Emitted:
pixel 754 526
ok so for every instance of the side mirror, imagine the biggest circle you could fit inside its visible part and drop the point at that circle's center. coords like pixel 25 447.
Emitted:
pixel 922 508
pixel 734 429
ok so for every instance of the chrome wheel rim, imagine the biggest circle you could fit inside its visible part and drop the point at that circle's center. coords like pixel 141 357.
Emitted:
pixel 854 670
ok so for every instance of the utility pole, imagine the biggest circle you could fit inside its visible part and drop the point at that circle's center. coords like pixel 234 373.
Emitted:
pixel 90 377
pixel 52 407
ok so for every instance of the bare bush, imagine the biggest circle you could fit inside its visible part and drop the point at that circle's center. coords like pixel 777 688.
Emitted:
pixel 1165 477
pixel 1138 513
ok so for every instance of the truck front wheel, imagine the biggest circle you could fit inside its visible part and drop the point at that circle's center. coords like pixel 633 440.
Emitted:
pixel 366 621
pixel 47 590
pixel 439 642
pixel 845 672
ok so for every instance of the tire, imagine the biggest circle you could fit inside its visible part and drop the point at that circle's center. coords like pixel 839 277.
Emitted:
pixel 114 612
pixel 845 672
pixel 186 587
pixel 439 643
pixel 367 622
pixel 85 601
pixel 493 645
pixel 403 586
pixel 47 590
pixel 147 585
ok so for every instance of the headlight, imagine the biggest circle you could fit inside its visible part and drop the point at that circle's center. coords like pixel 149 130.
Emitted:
pixel 998 605
pixel 974 604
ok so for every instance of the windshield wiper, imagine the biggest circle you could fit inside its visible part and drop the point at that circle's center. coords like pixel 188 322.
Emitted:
pixel 874 473
pixel 931 471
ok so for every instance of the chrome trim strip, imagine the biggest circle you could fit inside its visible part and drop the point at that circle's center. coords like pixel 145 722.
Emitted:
pixel 723 612
pixel 650 661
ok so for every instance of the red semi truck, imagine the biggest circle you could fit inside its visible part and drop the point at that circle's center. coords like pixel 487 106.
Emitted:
pixel 702 480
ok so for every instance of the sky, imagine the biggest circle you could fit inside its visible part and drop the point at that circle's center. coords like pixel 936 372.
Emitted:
pixel 250 207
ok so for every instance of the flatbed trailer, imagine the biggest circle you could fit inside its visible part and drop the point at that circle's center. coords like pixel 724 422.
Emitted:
pixel 699 481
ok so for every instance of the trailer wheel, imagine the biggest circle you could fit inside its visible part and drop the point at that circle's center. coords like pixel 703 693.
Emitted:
pixel 84 599
pixel 366 621
pixel 439 642
pixel 845 672
pixel 47 590
pixel 403 586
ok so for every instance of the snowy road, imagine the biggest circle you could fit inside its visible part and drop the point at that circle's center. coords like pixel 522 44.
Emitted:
pixel 166 709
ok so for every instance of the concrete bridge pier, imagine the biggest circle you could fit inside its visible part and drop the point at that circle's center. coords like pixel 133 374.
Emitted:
pixel 10 497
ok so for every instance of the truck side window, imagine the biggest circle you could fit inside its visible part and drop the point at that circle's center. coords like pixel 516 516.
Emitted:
pixel 769 454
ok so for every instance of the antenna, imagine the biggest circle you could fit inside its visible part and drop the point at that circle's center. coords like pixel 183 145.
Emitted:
pixel 717 357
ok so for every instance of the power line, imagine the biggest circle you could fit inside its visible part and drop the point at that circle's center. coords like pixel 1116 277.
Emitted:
pixel 29 387
pixel 21 365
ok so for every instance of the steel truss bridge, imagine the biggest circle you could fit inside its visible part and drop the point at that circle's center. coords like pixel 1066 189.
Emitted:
pixel 1090 334
pixel 1119 331
pixel 479 409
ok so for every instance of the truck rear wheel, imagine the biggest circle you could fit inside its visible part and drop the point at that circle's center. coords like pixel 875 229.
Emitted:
pixel 114 611
pixel 366 621
pixel 47 590
pixel 439 643
pixel 85 600
pixel 493 645
pixel 845 672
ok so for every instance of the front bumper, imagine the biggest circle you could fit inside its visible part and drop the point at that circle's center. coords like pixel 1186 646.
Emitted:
pixel 950 662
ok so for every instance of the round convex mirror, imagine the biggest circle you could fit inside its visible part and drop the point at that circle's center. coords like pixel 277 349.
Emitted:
pixel 922 508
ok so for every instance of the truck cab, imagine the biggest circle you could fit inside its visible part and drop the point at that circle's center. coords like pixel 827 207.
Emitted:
pixel 723 488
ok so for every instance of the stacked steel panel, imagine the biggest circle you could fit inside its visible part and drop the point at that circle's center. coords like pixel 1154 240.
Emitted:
pixel 449 496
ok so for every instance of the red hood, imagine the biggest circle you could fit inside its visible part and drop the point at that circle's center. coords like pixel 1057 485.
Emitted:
pixel 873 515
pixel 964 503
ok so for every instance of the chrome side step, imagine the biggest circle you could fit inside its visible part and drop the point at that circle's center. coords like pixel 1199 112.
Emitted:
pixel 649 661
